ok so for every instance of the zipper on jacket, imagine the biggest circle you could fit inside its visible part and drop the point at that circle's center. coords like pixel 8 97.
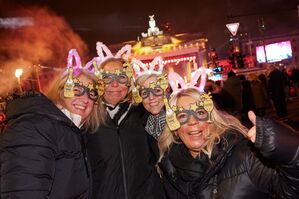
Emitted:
pixel 123 165
pixel 124 173
pixel 215 187
pixel 84 152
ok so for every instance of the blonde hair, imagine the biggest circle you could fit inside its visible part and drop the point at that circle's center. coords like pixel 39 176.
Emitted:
pixel 56 95
pixel 128 98
pixel 221 121
pixel 141 79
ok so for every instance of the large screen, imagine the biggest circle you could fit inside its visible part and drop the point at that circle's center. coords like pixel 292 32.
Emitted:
pixel 275 52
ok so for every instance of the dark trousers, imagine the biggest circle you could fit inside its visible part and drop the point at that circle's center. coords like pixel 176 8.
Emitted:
pixel 281 107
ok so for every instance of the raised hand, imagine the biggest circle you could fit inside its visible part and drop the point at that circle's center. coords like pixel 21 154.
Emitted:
pixel 252 132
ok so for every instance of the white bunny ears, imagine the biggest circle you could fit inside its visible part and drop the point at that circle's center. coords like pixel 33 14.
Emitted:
pixel 124 52
pixel 141 69
pixel 177 83
pixel 103 54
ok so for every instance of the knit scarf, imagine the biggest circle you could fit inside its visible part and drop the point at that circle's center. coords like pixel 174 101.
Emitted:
pixel 155 124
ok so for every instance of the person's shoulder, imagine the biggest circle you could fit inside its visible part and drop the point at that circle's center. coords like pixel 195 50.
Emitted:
pixel 235 140
pixel 32 122
pixel 27 118
pixel 29 129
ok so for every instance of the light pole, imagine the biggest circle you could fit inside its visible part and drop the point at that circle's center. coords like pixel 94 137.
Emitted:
pixel 233 29
pixel 262 29
pixel 18 75
pixel 37 68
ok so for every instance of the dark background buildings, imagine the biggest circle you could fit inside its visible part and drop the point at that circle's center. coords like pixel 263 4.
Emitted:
pixel 118 21
pixel 59 25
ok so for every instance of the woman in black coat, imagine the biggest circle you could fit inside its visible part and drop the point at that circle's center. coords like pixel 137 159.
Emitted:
pixel 211 155
pixel 42 148
pixel 122 162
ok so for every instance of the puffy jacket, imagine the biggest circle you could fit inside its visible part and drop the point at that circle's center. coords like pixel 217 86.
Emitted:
pixel 269 168
pixel 42 155
pixel 122 161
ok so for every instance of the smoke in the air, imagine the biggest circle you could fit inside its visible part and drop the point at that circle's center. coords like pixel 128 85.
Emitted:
pixel 42 38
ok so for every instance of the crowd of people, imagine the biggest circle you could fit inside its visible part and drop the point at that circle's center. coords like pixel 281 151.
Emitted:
pixel 120 128
pixel 257 92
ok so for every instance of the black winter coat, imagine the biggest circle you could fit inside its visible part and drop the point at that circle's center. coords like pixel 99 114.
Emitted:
pixel 41 153
pixel 276 84
pixel 237 169
pixel 122 160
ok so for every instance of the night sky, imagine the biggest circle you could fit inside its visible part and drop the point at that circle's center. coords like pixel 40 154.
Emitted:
pixel 117 21
pixel 60 25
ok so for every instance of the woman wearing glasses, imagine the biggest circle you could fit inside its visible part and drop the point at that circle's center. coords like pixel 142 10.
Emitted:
pixel 152 100
pixel 43 153
pixel 121 159
pixel 208 155
pixel 151 93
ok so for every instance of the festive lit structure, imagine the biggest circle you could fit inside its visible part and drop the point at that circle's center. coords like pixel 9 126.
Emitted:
pixel 177 50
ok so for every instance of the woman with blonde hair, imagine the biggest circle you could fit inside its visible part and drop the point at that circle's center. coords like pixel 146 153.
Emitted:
pixel 92 120
pixel 211 155
pixel 43 152
pixel 151 93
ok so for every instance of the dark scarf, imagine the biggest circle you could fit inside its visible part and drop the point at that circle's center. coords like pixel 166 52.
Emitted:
pixel 188 168
pixel 193 174
pixel 183 171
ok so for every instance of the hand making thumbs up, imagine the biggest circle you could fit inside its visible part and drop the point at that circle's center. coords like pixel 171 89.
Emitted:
pixel 252 132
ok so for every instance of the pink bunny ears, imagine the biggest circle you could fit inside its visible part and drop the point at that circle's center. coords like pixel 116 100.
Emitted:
pixel 74 63
pixel 177 83
pixel 73 56
pixel 141 69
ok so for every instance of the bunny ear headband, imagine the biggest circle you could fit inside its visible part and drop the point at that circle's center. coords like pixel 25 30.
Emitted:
pixel 75 69
pixel 104 54
pixel 143 69
pixel 124 52
pixel 162 81
pixel 178 84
